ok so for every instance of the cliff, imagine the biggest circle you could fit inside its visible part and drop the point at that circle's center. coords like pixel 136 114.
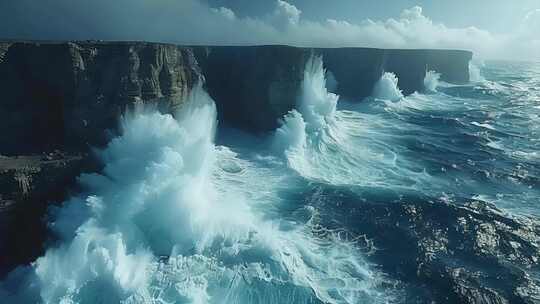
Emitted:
pixel 255 86
pixel 356 70
pixel 59 99
pixel 64 95
pixel 79 89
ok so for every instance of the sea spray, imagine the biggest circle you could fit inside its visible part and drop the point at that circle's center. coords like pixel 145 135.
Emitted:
pixel 475 74
pixel 431 81
pixel 307 126
pixel 345 147
pixel 387 88
pixel 168 221
pixel 315 103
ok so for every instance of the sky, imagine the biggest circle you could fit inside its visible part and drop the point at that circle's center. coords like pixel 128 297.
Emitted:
pixel 492 29
pixel 492 15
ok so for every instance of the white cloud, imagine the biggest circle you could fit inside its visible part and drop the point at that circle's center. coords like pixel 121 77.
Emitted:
pixel 225 12
pixel 192 22
pixel 412 29
pixel 286 14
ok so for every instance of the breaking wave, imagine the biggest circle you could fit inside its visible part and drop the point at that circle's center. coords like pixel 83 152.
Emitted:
pixel 475 74
pixel 345 146
pixel 431 81
pixel 173 219
pixel 387 88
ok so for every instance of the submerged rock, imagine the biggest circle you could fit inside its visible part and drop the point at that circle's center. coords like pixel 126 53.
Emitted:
pixel 440 251
pixel 468 253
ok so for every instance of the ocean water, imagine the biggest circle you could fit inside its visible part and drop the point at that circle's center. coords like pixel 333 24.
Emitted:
pixel 187 211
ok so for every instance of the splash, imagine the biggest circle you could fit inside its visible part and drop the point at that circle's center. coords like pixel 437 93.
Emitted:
pixel 315 103
pixel 337 147
pixel 306 127
pixel 431 81
pixel 173 219
pixel 387 88
pixel 475 74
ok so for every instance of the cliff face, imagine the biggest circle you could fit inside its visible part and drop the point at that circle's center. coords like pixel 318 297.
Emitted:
pixel 58 100
pixel 255 86
pixel 65 95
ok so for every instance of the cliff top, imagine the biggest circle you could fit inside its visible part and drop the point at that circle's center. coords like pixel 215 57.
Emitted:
pixel 7 42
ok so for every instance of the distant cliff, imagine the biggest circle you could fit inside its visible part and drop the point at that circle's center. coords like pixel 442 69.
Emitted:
pixel 60 99
pixel 255 86
pixel 66 94
pixel 356 70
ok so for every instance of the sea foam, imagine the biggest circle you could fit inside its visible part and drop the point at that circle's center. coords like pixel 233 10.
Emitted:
pixel 174 219
pixel 387 88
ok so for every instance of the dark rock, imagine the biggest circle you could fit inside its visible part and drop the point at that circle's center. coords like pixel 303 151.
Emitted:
pixel 29 184
pixel 65 95
pixel 358 69
pixel 79 88
pixel 255 86
pixel 468 253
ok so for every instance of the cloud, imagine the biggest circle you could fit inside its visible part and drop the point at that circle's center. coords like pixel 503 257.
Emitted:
pixel 192 22
pixel 532 21
pixel 286 13
pixel 225 12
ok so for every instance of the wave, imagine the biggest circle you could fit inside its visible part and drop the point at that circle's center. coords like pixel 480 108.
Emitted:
pixel 343 147
pixel 475 72
pixel 431 81
pixel 387 88
pixel 173 218
pixel 376 144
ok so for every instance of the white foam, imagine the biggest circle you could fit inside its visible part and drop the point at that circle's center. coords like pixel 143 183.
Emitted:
pixel 338 147
pixel 475 73
pixel 315 103
pixel 431 81
pixel 387 88
pixel 483 125
pixel 175 219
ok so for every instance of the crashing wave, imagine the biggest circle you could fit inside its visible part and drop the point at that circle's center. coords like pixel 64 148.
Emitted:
pixel 387 88
pixel 475 74
pixel 173 219
pixel 431 81
pixel 337 147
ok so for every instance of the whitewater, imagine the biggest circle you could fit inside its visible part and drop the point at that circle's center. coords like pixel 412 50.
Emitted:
pixel 188 212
